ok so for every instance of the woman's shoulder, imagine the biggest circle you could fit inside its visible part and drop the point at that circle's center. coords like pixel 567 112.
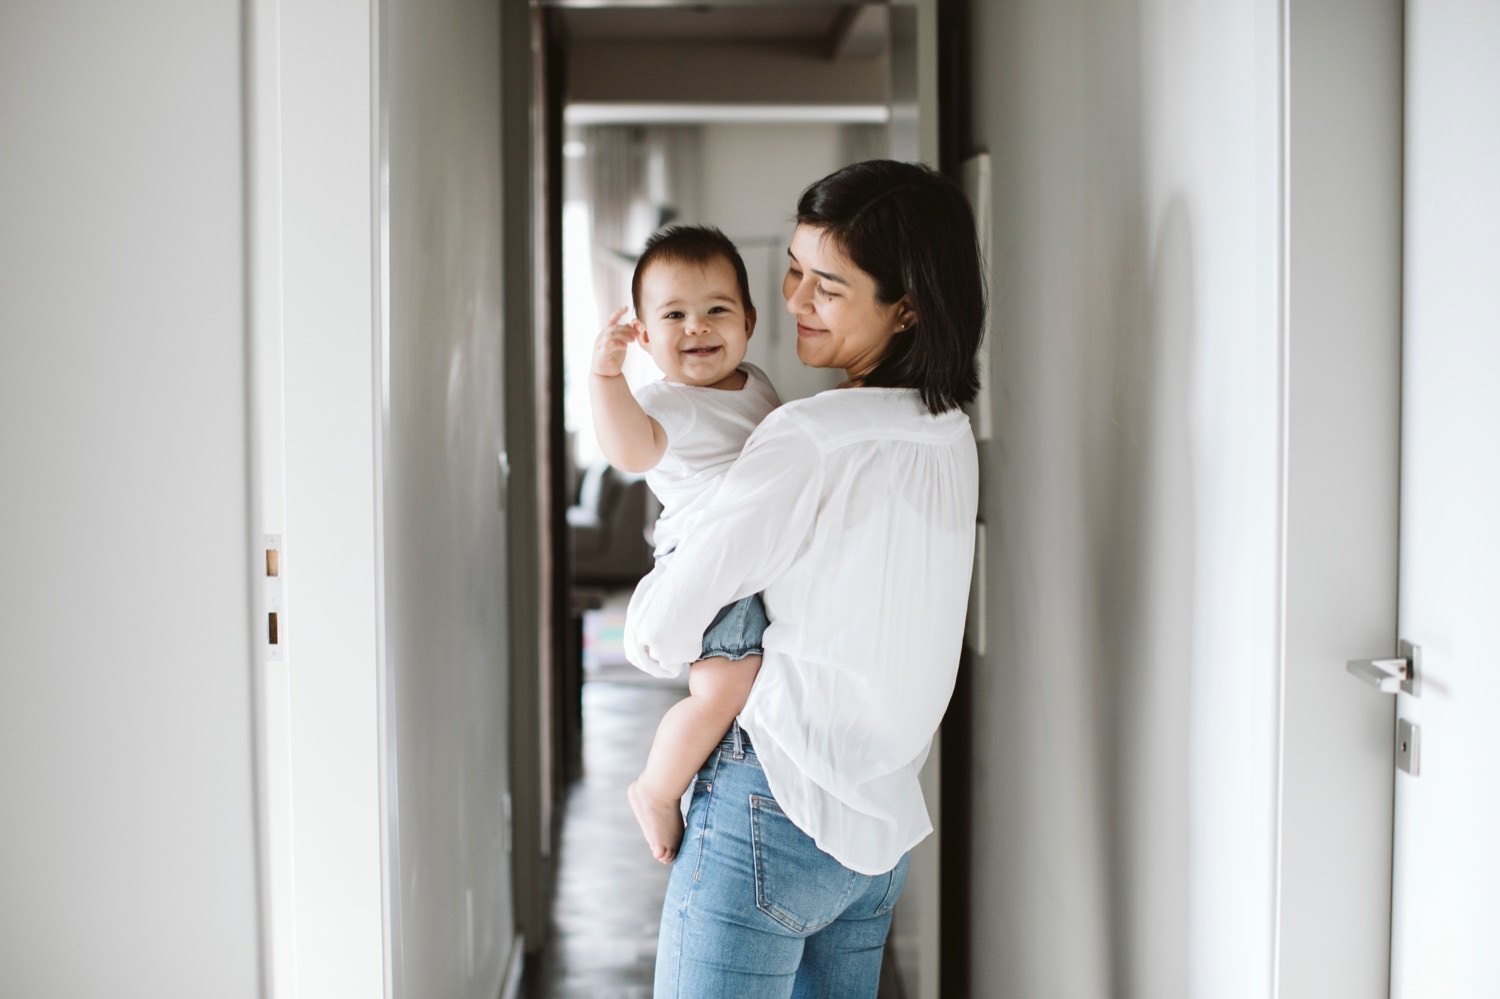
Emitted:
pixel 870 412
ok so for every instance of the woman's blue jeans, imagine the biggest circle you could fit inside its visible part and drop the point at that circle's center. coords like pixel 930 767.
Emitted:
pixel 754 909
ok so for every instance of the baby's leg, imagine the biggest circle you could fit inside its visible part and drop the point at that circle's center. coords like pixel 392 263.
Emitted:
pixel 689 731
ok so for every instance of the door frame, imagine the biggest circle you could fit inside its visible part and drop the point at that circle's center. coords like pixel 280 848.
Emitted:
pixel 941 139
pixel 532 108
pixel 313 268
pixel 1340 275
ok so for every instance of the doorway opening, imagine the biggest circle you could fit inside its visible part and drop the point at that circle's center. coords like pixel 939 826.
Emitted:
pixel 716 114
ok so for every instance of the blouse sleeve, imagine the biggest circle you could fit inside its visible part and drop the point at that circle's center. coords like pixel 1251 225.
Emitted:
pixel 750 532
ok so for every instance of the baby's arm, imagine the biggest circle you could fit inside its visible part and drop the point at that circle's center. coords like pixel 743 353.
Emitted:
pixel 630 439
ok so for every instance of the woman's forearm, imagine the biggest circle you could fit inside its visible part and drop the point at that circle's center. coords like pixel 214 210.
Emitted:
pixel 749 535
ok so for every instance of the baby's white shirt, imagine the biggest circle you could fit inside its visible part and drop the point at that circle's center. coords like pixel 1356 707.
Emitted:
pixel 706 430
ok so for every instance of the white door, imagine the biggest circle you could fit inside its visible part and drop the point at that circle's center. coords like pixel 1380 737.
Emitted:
pixel 1447 829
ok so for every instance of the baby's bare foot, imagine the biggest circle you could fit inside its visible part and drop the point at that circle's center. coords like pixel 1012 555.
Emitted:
pixel 660 820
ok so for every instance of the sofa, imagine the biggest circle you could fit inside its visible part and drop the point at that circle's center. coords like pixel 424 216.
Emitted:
pixel 609 528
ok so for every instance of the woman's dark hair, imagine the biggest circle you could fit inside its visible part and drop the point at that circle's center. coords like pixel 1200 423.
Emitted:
pixel 911 229
pixel 690 244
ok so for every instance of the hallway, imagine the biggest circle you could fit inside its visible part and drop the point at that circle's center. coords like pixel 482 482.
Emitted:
pixel 287 469
pixel 609 890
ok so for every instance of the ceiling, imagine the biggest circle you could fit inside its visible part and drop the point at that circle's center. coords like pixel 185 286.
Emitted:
pixel 844 30
pixel 718 23
pixel 628 60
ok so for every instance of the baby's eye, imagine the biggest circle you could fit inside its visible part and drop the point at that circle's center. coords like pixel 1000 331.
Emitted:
pixel 718 308
pixel 674 314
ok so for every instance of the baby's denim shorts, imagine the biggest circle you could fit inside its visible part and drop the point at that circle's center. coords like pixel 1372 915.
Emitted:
pixel 736 630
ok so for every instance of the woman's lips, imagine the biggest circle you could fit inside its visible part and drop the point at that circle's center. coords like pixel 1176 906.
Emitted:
pixel 809 331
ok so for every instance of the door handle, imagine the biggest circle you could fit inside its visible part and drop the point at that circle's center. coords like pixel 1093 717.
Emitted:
pixel 1384 674
pixel 1403 672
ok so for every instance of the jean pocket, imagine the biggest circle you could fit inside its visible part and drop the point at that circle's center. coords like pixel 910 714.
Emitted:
pixel 895 881
pixel 796 884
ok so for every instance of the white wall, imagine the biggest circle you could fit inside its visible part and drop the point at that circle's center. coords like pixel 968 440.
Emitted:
pixel 1126 715
pixel 744 178
pixel 751 178
pixel 127 853
pixel 445 557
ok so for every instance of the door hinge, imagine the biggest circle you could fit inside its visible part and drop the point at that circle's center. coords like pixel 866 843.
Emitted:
pixel 273 629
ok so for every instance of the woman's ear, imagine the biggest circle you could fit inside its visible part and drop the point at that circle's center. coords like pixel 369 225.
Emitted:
pixel 906 316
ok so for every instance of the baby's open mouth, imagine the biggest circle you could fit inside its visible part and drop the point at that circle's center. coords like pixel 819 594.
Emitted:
pixel 701 351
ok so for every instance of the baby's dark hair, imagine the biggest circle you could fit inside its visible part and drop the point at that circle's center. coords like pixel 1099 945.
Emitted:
pixel 690 244
pixel 911 229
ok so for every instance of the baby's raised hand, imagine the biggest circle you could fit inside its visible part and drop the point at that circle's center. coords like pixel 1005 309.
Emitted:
pixel 613 342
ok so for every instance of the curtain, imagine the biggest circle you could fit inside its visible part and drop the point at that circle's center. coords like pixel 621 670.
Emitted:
pixel 639 179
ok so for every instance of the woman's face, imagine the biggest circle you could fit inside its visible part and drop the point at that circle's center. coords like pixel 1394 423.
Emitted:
pixel 840 322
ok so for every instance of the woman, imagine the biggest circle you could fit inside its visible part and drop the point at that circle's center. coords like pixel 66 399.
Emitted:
pixel 853 513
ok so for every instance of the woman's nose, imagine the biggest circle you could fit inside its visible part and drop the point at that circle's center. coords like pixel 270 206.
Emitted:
pixel 797 298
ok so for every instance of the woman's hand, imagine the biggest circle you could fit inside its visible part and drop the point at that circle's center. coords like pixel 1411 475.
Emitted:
pixel 613 343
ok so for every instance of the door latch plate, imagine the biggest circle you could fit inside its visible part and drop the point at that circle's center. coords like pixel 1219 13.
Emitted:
pixel 1412 684
pixel 1409 747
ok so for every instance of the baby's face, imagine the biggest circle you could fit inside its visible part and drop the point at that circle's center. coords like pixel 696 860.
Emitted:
pixel 696 328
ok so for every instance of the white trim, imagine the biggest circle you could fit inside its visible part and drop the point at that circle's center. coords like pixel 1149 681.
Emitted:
pixel 685 113
pixel 330 633
pixel 267 473
pixel 390 812
pixel 511 984
pixel 1283 471
pixel 640 4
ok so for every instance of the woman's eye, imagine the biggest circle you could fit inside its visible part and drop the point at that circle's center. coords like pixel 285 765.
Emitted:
pixel 823 290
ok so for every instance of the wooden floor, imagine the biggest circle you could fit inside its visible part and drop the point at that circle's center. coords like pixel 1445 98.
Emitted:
pixel 609 889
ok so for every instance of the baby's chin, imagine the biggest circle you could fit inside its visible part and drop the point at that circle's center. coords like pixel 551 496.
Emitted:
pixel 703 380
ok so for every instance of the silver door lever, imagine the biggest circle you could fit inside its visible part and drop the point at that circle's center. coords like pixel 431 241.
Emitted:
pixel 1403 672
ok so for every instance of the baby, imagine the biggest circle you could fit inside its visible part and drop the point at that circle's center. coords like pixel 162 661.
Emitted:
pixel 693 315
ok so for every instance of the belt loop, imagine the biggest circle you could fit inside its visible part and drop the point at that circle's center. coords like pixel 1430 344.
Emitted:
pixel 739 741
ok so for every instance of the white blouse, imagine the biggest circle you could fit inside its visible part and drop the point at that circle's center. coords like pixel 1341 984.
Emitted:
pixel 853 514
